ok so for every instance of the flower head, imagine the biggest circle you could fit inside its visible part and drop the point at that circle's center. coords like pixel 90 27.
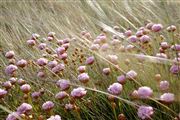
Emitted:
pixel 167 97
pixel 63 84
pixel 10 69
pixel 2 93
pixel 47 105
pixel 157 27
pixel 115 88
pixel 145 112
pixel 24 108
pixel 83 77
pixel 78 92
pixel 145 92
pixel 55 117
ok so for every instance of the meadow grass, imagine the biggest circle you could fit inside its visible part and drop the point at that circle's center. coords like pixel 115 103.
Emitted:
pixel 20 19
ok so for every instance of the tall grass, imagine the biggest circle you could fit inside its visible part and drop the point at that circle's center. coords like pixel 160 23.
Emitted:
pixel 20 19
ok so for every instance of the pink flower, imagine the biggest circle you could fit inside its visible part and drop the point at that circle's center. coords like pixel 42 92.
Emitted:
pixel 145 112
pixel 60 50
pixel 104 47
pixel 35 36
pixel 41 74
pixel 157 27
pixel 171 28
pixel 31 42
pixel 10 69
pixel 36 95
pixel 133 38
pixel 131 75
pixel 24 108
pixel 164 85
pixel 139 33
pixel 175 69
pixel 42 46
pixel 47 106
pixel 9 54
pixel 61 95
pixel 51 34
pixel 13 80
pixel 149 25
pixel 176 47
pixel 26 88
pixel 82 69
pixel 50 38
pixel 78 92
pixel 145 92
pixel 63 56
pixel 164 45
pixel 59 42
pixel 115 89
pixel 13 116
pixel 167 97
pixel 2 93
pixel 21 81
pixel 58 68
pixel 42 61
pixel 7 85
pixel 66 40
pixel 55 117
pixel 95 47
pixel 63 84
pixel 90 60
pixel 52 64
pixel 69 106
pixel 21 63
pixel 121 79
pixel 113 59
pixel 66 45
pixel 106 71
pixel 83 77
pixel 115 42
pixel 145 39
pixel 129 47
pixel 128 33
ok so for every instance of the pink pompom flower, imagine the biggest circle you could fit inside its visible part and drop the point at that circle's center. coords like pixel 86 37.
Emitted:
pixel 145 39
pixel 106 71
pixel 157 27
pixel 164 85
pixel 82 69
pixel 115 89
pixel 21 63
pixel 133 39
pixel 145 92
pixel 10 69
pixel 145 112
pixel 47 106
pixel 2 93
pixel 63 84
pixel 61 95
pixel 121 79
pixel 24 108
pixel 131 75
pixel 31 42
pixel 167 97
pixel 90 60
pixel 9 54
pixel 58 68
pixel 54 117
pixel 26 88
pixel 83 77
pixel 78 92
pixel 42 61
